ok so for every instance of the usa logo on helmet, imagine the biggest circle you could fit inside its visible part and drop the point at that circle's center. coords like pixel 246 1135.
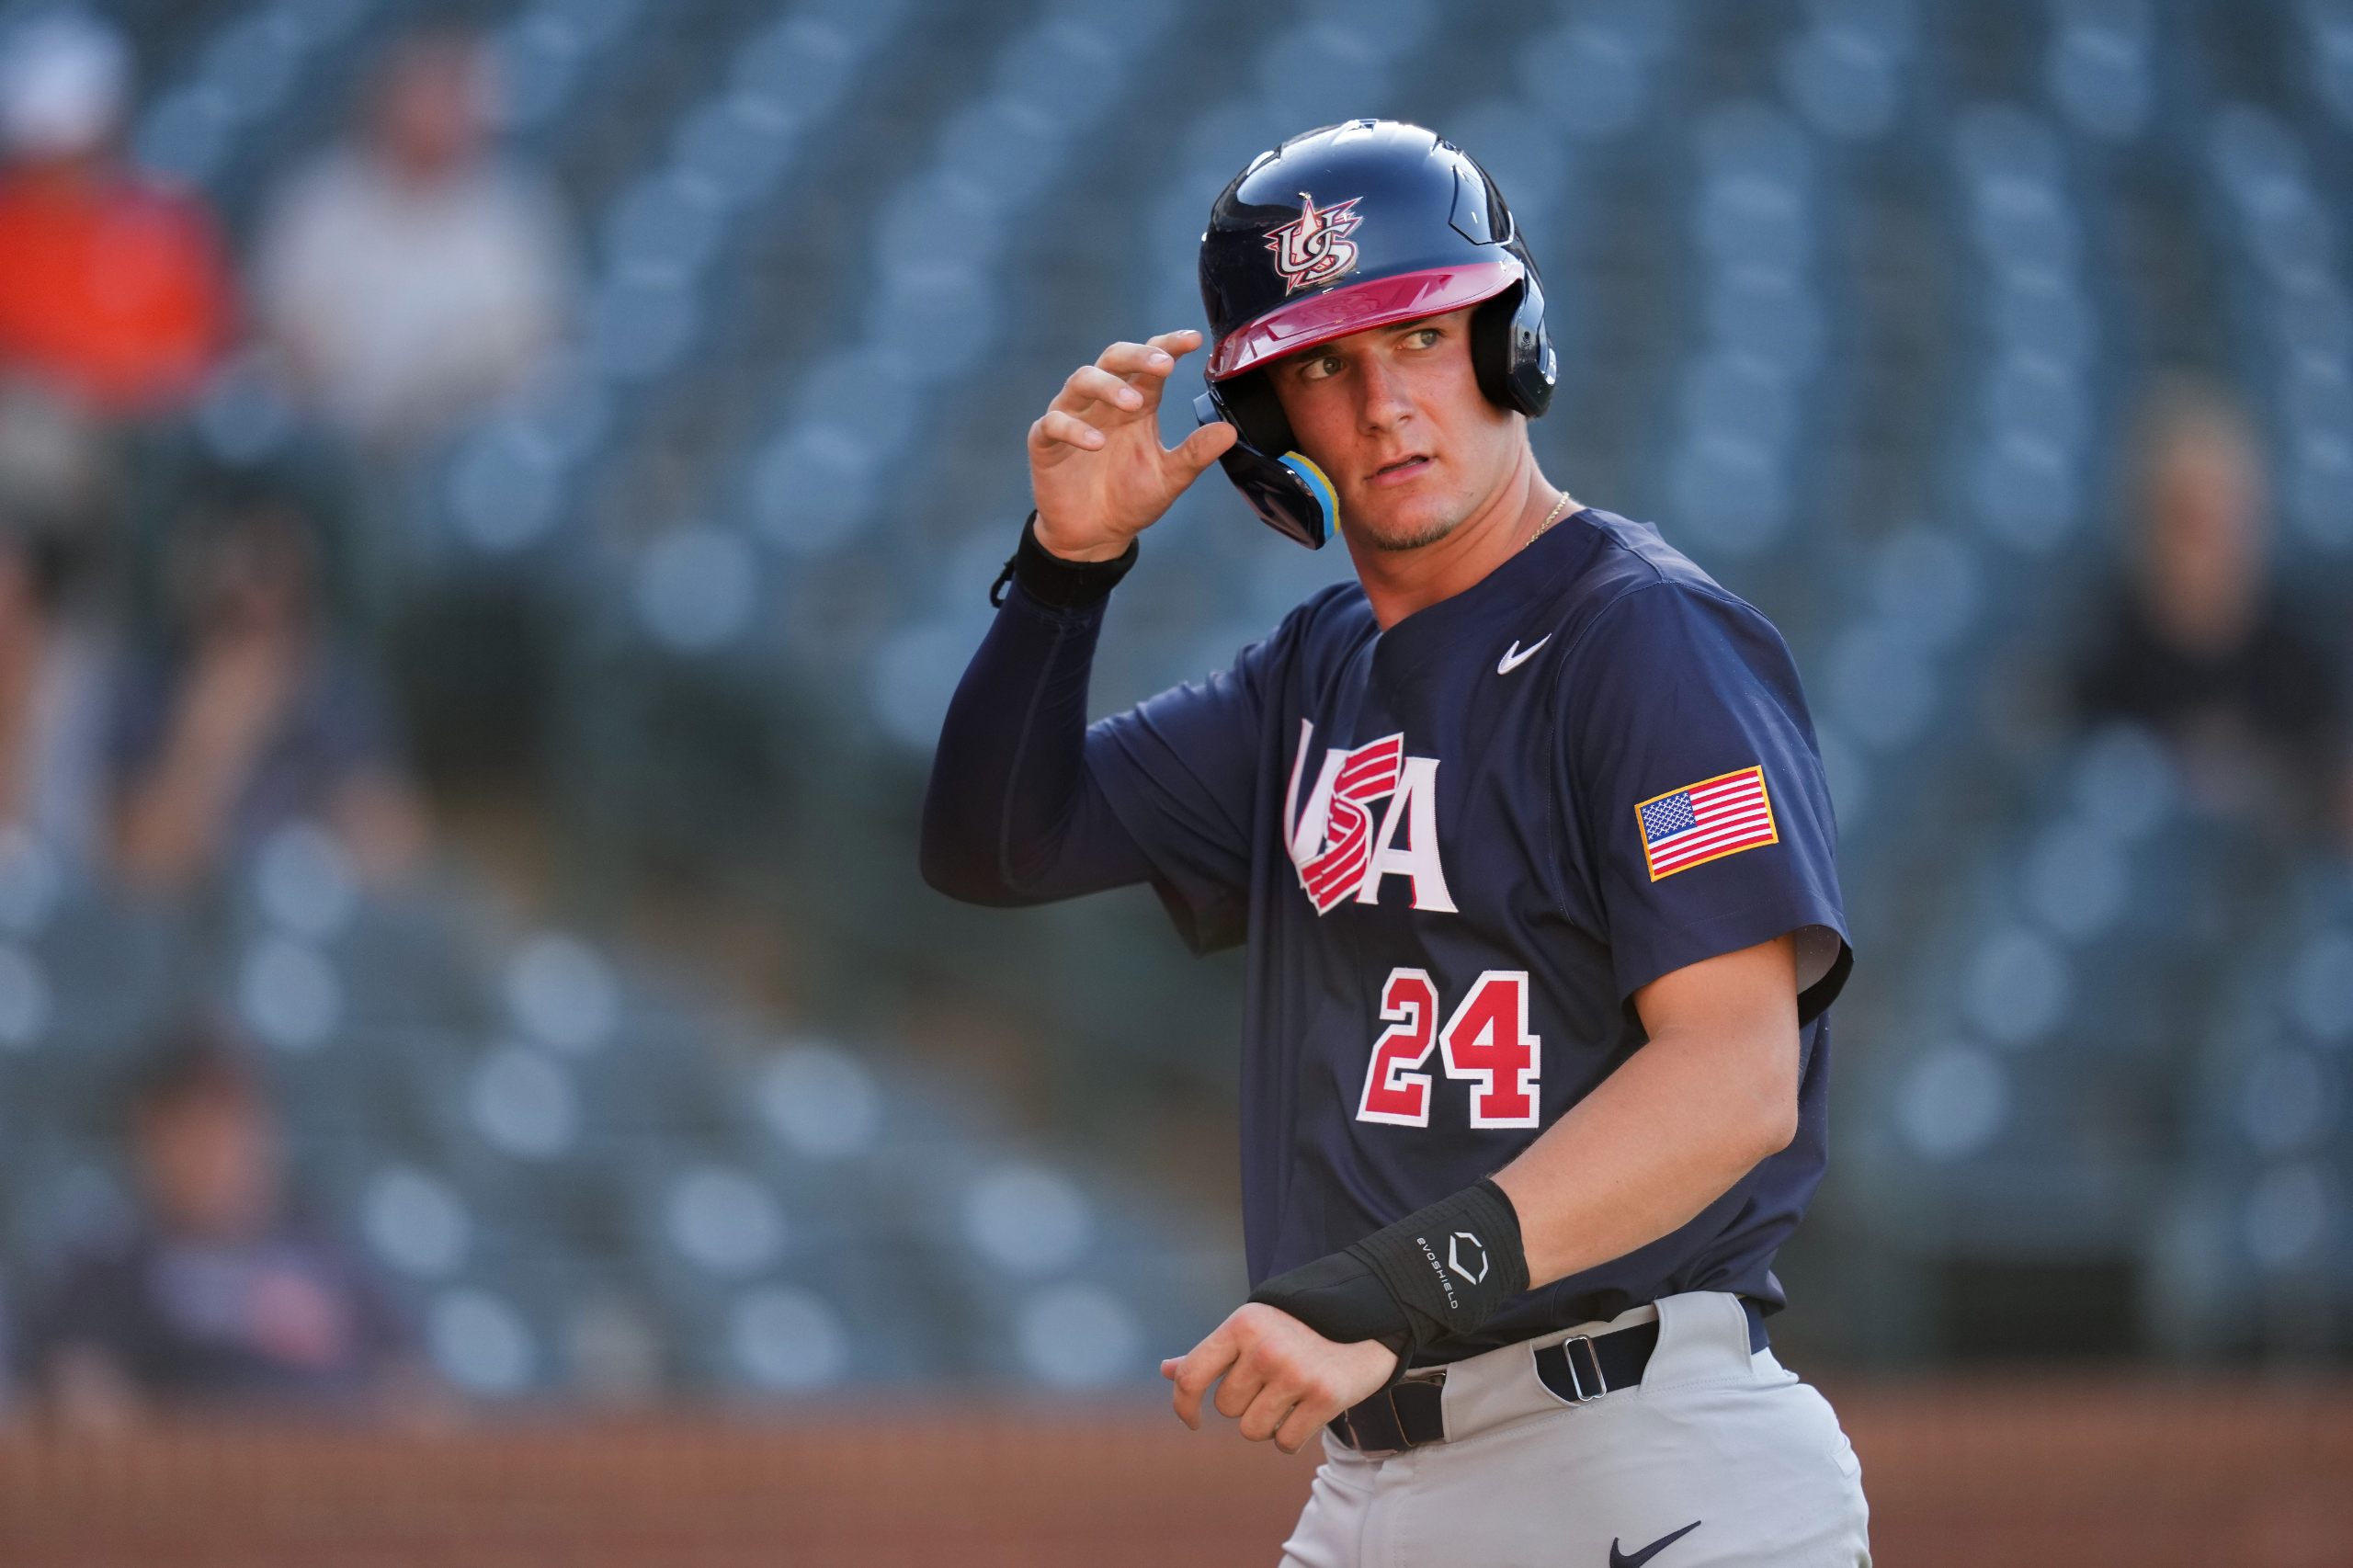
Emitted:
pixel 1314 246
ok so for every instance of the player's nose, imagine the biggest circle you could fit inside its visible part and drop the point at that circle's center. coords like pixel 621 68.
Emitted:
pixel 1384 400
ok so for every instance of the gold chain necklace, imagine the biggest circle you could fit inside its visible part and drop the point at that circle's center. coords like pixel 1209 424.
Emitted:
pixel 1549 518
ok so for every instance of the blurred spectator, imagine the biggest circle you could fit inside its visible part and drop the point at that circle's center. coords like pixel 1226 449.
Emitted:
pixel 2200 647
pixel 221 1293
pixel 253 713
pixel 412 278
pixel 111 288
pixel 56 659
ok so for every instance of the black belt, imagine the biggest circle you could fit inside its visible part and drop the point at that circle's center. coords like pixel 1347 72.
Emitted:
pixel 1579 1369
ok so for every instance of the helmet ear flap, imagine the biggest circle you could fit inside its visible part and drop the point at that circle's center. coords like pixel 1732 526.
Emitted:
pixel 1289 493
pixel 1250 403
pixel 1511 354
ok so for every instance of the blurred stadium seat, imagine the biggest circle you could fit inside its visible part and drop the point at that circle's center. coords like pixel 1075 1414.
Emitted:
pixel 1852 297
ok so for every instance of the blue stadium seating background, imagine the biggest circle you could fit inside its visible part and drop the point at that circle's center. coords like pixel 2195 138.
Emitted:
pixel 1852 297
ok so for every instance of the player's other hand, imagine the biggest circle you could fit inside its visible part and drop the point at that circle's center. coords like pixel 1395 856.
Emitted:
pixel 1097 471
pixel 1282 1380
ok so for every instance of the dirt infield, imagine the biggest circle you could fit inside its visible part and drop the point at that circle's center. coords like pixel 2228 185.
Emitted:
pixel 2151 1472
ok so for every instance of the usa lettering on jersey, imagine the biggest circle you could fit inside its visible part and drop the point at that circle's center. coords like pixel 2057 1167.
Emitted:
pixel 1340 851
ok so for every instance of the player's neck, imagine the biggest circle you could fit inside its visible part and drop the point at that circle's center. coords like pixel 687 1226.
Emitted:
pixel 1399 582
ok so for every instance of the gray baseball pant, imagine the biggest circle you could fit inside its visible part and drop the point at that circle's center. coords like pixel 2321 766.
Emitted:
pixel 1717 1458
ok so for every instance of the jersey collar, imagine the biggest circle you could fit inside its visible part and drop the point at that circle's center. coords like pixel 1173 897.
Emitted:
pixel 1488 609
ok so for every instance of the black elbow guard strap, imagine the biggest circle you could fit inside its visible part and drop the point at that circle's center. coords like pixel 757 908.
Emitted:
pixel 1438 1272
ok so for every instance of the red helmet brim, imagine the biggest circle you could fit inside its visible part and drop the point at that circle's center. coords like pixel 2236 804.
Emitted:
pixel 1359 307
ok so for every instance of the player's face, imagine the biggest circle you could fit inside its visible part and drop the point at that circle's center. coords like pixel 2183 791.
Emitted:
pixel 1395 418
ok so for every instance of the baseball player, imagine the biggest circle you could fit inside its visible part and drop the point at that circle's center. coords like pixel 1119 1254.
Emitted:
pixel 1525 832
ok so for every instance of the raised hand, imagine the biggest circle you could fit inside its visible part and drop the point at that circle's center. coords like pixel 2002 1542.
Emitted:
pixel 1097 471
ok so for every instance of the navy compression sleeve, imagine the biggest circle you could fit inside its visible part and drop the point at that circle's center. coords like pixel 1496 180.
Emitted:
pixel 1013 815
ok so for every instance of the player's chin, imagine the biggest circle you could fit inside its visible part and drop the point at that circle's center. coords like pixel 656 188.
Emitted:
pixel 1397 528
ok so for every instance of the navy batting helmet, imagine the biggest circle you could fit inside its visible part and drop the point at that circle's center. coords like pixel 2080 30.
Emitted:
pixel 1354 226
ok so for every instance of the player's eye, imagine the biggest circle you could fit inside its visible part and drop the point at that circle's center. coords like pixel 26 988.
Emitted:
pixel 1423 338
pixel 1317 366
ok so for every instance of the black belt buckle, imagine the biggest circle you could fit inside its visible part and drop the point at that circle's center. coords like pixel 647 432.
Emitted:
pixel 1381 1427
pixel 1371 1427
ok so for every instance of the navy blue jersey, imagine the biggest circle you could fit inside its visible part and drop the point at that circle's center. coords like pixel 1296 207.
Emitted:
pixel 1456 849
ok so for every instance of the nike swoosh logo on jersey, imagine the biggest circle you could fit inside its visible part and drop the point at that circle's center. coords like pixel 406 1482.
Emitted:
pixel 1516 655
pixel 1620 1560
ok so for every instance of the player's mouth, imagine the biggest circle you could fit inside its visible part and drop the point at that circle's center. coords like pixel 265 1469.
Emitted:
pixel 1404 471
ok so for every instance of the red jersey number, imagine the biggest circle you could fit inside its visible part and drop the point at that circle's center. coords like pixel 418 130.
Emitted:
pixel 1393 1092
pixel 1486 1040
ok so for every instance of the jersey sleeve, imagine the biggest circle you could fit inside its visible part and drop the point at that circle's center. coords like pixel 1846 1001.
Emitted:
pixel 1180 770
pixel 1694 794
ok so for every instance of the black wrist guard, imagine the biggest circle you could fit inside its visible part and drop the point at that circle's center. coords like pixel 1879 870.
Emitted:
pixel 1439 1271
pixel 1051 580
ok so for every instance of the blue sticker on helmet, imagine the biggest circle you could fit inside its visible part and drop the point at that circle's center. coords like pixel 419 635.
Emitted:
pixel 1319 486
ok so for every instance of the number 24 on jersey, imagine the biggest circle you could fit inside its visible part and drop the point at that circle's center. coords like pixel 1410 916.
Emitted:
pixel 1485 1041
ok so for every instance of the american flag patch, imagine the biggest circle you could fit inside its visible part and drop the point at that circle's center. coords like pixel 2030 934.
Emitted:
pixel 1706 821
